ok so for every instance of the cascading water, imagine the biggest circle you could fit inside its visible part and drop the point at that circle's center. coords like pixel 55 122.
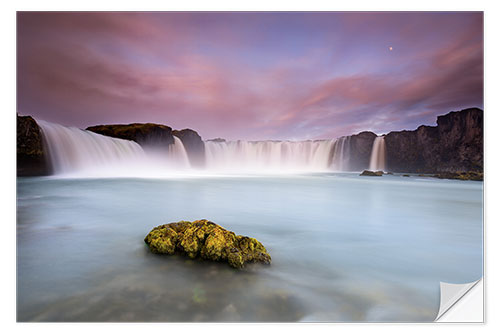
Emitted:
pixel 341 154
pixel 73 151
pixel 377 159
pixel 268 156
pixel 178 155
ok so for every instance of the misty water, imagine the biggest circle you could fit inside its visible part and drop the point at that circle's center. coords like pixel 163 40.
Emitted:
pixel 343 247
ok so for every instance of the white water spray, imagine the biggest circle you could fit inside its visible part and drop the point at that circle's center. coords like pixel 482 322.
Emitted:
pixel 76 152
pixel 178 154
pixel 269 156
pixel 72 149
pixel 377 159
pixel 81 153
pixel 341 154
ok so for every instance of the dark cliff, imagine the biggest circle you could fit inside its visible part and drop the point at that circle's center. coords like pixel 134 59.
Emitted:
pixel 360 149
pixel 455 144
pixel 32 157
pixel 194 146
pixel 157 136
pixel 147 135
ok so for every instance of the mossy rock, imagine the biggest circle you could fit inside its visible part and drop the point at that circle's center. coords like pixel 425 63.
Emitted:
pixel 372 173
pixel 147 135
pixel 207 240
pixel 469 175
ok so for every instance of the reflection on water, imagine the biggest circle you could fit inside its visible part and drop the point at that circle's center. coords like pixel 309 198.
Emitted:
pixel 344 248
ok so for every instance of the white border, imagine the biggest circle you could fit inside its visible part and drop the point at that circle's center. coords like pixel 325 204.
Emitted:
pixel 7 139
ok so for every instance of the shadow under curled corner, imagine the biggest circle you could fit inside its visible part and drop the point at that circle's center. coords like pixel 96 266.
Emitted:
pixel 460 303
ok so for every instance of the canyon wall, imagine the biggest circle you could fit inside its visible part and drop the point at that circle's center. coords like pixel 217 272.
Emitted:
pixel 360 148
pixel 32 158
pixel 455 144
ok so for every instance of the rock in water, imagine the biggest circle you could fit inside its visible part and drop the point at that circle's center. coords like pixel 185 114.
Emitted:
pixel 206 240
pixel 371 173
pixel 471 175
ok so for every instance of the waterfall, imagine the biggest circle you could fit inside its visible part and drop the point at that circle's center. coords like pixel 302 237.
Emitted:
pixel 76 152
pixel 73 151
pixel 178 155
pixel 268 156
pixel 377 159
pixel 341 154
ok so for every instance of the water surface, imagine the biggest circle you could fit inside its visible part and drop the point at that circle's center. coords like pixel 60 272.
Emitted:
pixel 344 248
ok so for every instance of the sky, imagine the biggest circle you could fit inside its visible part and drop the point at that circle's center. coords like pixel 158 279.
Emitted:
pixel 253 76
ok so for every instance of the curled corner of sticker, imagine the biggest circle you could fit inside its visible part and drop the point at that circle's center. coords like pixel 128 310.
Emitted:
pixel 451 295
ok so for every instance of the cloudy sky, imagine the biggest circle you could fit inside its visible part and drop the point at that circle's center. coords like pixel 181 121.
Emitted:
pixel 250 75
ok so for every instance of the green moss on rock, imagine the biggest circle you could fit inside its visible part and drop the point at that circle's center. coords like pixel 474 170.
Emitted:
pixel 470 175
pixel 206 240
pixel 372 173
pixel 147 135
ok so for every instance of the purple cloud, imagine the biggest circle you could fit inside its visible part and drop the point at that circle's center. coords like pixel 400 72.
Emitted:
pixel 250 75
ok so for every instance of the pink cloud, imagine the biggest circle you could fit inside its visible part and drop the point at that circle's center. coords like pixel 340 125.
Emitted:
pixel 86 69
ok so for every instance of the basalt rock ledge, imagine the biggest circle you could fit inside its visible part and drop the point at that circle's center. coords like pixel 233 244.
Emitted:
pixel 148 135
pixel 32 156
pixel 193 144
pixel 454 145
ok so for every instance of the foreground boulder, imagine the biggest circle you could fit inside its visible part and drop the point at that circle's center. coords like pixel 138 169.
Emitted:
pixel 206 240
pixel 371 173
pixel 32 159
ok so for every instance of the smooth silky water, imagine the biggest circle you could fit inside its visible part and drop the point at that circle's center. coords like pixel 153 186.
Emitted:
pixel 343 247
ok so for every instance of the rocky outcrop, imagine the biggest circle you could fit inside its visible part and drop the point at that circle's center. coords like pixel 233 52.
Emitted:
pixel 372 173
pixel 148 135
pixel 412 151
pixel 194 146
pixel 155 136
pixel 206 240
pixel 471 175
pixel 360 149
pixel 32 157
pixel 461 140
pixel 454 145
